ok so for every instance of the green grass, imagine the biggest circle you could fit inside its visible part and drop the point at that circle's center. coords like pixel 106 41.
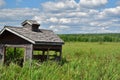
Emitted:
pixel 81 61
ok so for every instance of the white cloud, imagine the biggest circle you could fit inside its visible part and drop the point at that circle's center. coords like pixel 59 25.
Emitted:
pixel 60 5
pixel 53 19
pixel 78 13
pixel 53 6
pixel 59 20
pixel 15 16
pixel 111 12
pixel 2 2
pixel 58 28
pixel 18 13
pixel 65 20
pixel 92 3
pixel 68 16
pixel 79 19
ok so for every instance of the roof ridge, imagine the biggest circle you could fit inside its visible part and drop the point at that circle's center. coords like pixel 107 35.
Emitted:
pixel 12 26
pixel 24 28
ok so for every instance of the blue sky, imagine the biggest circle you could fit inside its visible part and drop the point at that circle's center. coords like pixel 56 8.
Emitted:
pixel 64 16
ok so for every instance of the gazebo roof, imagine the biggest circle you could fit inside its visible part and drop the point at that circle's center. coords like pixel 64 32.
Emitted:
pixel 42 36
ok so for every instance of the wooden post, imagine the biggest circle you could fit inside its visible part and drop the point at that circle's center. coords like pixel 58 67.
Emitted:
pixel 56 53
pixel 24 55
pixel 60 55
pixel 1 54
pixel 47 54
pixel 4 50
pixel 15 51
pixel 29 53
pixel 43 53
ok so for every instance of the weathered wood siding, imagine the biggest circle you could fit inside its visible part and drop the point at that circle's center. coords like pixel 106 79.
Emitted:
pixel 29 52
pixel 31 27
pixel 27 26
pixel 10 38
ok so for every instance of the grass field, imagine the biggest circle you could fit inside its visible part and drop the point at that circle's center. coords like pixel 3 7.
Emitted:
pixel 81 61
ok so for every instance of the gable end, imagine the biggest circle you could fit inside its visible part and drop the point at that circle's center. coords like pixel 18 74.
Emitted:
pixel 21 36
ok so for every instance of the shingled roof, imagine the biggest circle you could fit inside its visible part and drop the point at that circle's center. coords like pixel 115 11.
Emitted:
pixel 41 36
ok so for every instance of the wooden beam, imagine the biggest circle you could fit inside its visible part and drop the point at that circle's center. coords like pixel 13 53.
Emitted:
pixel 15 51
pixel 47 54
pixel 8 45
pixel 46 47
pixel 4 50
pixel 60 55
pixel 29 52
pixel 24 55
pixel 43 52
pixel 1 53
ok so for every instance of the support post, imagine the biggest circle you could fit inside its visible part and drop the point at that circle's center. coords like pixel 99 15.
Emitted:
pixel 47 54
pixel 15 51
pixel 60 55
pixel 29 53
pixel 55 53
pixel 4 50
pixel 1 54
pixel 43 53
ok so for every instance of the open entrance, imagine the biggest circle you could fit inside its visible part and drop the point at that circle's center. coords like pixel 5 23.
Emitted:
pixel 46 55
pixel 15 55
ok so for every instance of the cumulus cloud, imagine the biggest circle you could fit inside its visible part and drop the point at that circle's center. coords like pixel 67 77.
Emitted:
pixel 113 12
pixel 53 20
pixel 15 15
pixel 92 3
pixel 68 16
pixel 58 28
pixel 2 2
pixel 75 17
pixel 18 13
pixel 60 5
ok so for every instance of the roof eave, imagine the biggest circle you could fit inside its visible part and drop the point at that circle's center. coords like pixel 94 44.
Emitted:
pixel 49 43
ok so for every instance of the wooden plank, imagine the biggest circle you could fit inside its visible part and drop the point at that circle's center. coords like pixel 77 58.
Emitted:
pixel 1 53
pixel 24 54
pixel 11 45
pixel 10 38
pixel 46 47
pixel 47 54
pixel 4 51
pixel 14 50
pixel 29 52
pixel 43 52
pixel 60 55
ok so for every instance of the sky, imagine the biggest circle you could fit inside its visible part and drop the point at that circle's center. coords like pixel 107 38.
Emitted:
pixel 64 16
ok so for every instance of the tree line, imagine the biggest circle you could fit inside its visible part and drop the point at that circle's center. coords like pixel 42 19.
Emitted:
pixel 108 37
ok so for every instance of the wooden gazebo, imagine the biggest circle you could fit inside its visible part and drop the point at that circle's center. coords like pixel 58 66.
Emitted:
pixel 30 37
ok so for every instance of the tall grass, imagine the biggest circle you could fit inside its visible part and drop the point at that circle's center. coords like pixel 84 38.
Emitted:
pixel 81 61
